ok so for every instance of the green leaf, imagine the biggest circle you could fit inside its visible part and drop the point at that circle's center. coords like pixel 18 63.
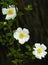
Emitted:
pixel 9 34
pixel 28 53
pixel 17 61
pixel 28 8
pixel 1 23
pixel 14 61
pixel 1 3
pixel 28 47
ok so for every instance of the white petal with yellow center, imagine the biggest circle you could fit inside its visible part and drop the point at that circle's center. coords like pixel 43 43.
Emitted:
pixel 39 51
pixel 21 36
pixel 10 12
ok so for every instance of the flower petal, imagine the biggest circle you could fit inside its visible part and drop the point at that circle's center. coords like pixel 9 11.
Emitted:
pixel 38 56
pixel 26 31
pixel 8 17
pixel 15 35
pixel 43 47
pixel 19 30
pixel 27 37
pixel 4 11
pixel 21 41
pixel 33 52
pixel 37 44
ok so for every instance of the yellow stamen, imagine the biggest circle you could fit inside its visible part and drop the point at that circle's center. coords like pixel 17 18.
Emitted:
pixel 9 12
pixel 39 50
pixel 21 35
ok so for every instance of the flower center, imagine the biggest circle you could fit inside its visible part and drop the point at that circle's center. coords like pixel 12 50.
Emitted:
pixel 21 35
pixel 9 12
pixel 39 50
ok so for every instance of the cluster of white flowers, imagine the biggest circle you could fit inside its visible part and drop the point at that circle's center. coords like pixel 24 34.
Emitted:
pixel 22 35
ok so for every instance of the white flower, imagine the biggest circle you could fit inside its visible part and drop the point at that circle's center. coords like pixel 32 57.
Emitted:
pixel 9 12
pixel 39 50
pixel 21 35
